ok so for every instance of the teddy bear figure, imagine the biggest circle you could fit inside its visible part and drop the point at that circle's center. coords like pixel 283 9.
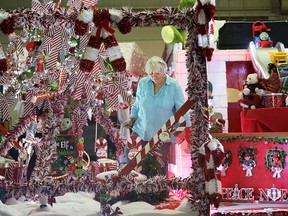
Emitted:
pixel 252 86
pixel 251 95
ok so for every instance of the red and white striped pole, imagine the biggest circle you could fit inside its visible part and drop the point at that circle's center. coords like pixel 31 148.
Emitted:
pixel 159 138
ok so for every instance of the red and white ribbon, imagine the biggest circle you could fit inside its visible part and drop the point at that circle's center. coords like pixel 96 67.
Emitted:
pixel 88 3
pixel 113 88
pixel 5 103
pixel 44 7
pixel 10 170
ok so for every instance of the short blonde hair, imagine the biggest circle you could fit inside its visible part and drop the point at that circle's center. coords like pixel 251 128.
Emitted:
pixel 156 64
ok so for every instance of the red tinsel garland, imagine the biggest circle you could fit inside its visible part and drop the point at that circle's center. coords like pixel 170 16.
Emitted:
pixel 15 132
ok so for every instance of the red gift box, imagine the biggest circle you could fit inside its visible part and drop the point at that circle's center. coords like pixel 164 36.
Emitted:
pixel 108 165
pixel 103 165
pixel 274 100
pixel 12 171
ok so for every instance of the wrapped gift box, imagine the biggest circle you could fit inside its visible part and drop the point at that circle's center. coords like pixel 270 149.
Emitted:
pixel 103 165
pixel 107 165
pixel 274 100
pixel 11 170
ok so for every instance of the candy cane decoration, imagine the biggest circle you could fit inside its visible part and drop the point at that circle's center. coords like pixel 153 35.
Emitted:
pixel 211 157
pixel 159 138
pixel 205 10
pixel 101 33
pixel 134 149
pixel 101 146
pixel 138 141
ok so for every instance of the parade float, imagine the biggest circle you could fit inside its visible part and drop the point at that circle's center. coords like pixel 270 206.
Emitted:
pixel 63 66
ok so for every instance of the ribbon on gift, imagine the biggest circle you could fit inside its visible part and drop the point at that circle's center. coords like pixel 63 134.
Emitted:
pixel 159 138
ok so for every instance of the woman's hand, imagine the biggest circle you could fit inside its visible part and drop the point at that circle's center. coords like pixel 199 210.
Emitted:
pixel 128 123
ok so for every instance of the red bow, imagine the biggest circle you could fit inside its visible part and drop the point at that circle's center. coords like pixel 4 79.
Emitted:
pixel 104 24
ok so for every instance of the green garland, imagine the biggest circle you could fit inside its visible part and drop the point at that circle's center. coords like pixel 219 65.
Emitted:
pixel 271 153
pixel 274 139
pixel 243 151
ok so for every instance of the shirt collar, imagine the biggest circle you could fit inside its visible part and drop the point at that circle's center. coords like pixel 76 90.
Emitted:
pixel 168 79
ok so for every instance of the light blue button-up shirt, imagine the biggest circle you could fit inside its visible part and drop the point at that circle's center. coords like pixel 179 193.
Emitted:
pixel 151 110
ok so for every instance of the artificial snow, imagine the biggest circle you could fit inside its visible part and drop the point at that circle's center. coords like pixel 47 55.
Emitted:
pixel 83 204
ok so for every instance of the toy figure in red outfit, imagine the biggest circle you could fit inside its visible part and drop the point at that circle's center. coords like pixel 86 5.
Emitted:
pixel 264 41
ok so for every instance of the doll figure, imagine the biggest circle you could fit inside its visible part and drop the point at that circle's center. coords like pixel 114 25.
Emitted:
pixel 276 166
pixel 79 161
pixel 248 164
pixel 236 192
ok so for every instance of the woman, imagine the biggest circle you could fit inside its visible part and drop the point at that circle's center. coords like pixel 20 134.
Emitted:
pixel 158 97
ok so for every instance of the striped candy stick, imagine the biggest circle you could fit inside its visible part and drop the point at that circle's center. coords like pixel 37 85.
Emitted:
pixel 134 149
pixel 160 137
pixel 168 129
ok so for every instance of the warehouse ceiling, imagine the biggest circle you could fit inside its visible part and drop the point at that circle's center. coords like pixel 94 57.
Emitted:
pixel 225 9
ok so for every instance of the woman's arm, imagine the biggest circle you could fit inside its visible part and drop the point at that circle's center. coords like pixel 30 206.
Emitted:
pixel 135 107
